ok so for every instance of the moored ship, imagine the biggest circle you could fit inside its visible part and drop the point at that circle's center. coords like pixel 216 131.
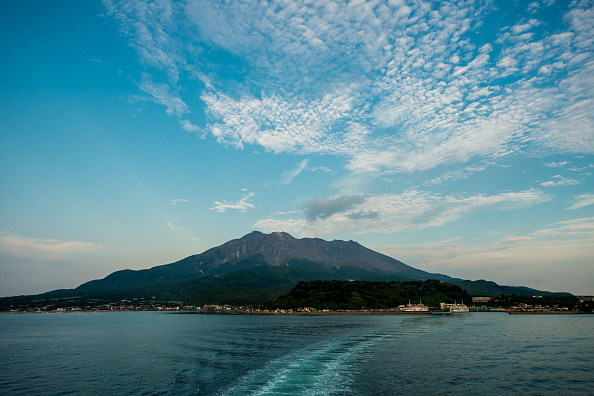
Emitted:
pixel 455 307
pixel 420 307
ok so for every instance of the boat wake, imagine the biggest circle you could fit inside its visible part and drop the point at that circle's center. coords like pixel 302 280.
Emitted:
pixel 325 368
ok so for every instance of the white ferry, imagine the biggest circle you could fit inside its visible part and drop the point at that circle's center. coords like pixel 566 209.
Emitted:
pixel 420 307
pixel 456 308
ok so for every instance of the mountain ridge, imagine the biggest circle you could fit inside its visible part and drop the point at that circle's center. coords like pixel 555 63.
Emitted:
pixel 261 266
pixel 276 249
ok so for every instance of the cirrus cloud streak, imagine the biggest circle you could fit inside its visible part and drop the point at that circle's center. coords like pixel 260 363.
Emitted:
pixel 43 249
pixel 520 258
pixel 241 205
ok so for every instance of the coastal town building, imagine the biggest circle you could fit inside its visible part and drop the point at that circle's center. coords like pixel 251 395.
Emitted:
pixel 481 299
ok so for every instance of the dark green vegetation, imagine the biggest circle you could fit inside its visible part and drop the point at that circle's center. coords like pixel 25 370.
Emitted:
pixel 342 295
pixel 553 301
pixel 489 288
pixel 252 270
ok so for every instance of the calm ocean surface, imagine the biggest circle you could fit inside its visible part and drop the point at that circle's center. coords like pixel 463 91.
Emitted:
pixel 152 353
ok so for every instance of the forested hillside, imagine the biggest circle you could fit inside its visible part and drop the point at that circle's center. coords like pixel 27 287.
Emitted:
pixel 338 295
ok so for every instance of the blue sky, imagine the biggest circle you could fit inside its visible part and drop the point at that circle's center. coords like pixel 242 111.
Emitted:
pixel 456 136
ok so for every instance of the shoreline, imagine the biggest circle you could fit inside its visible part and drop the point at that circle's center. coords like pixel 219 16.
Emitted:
pixel 272 313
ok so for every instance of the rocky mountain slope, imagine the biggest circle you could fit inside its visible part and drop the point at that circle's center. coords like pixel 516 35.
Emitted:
pixel 260 267
pixel 277 249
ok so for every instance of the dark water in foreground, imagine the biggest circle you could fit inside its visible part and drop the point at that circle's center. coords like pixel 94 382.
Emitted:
pixel 151 353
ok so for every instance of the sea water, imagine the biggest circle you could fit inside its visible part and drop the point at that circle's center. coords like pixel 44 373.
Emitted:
pixel 152 353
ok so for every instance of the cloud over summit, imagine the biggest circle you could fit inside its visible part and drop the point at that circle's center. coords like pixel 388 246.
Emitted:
pixel 322 209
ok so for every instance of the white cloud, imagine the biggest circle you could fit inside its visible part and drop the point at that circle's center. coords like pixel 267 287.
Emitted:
pixel 277 124
pixel 178 200
pixel 171 225
pixel 518 258
pixel 534 6
pixel 557 164
pixel 570 130
pixel 189 127
pixel 43 249
pixel 389 87
pixel 324 208
pixel 288 176
pixel 517 29
pixel 583 168
pixel 285 225
pixel 321 168
pixel 409 211
pixel 582 200
pixel 559 180
pixel 242 205
pixel 569 228
pixel 148 25
pixel 161 93
pixel 459 174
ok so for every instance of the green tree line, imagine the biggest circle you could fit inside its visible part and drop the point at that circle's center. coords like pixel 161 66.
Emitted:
pixel 347 295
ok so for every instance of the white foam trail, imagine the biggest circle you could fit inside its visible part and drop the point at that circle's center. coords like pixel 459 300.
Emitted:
pixel 321 369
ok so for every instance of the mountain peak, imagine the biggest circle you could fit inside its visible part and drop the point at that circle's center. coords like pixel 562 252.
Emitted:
pixel 278 247
pixel 277 234
pixel 282 235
